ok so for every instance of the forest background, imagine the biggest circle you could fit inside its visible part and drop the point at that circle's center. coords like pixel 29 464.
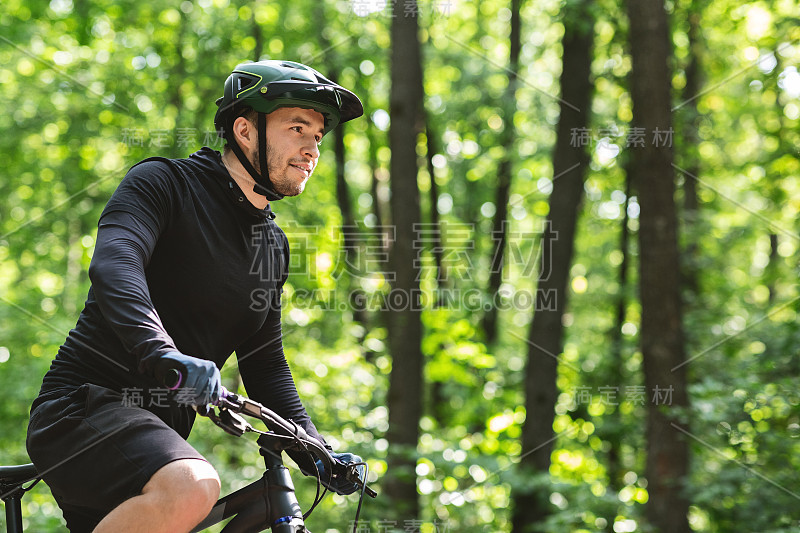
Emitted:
pixel 548 283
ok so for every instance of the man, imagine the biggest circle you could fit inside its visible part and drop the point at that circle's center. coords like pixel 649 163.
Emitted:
pixel 188 267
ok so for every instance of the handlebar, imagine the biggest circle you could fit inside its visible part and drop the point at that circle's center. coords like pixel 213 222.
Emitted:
pixel 236 403
pixel 230 405
pixel 282 435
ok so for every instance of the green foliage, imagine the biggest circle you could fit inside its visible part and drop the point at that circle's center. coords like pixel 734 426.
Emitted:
pixel 89 88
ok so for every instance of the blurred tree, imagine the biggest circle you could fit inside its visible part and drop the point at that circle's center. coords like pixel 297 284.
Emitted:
pixel 437 250
pixel 405 325
pixel 374 184
pixel 351 240
pixel 663 354
pixel 773 188
pixel 690 139
pixel 616 434
pixel 570 161
pixel 508 106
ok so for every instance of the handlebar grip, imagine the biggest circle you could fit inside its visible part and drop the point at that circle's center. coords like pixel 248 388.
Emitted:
pixel 169 375
pixel 173 379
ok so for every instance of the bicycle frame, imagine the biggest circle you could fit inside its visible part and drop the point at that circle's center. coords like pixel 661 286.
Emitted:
pixel 264 503
pixel 269 502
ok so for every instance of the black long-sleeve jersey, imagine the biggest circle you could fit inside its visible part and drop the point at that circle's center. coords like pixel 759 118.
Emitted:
pixel 182 262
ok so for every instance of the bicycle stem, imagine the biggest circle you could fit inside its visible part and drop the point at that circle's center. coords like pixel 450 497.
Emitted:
pixel 286 515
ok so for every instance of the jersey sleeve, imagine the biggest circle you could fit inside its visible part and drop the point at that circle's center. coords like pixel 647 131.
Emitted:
pixel 151 192
pixel 128 230
pixel 268 379
pixel 265 372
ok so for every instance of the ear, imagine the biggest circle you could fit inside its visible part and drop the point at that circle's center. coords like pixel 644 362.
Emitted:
pixel 244 132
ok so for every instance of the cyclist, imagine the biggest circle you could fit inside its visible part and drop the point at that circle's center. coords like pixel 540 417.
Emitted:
pixel 188 267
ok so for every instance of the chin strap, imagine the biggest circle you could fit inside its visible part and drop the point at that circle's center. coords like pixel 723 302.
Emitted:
pixel 263 185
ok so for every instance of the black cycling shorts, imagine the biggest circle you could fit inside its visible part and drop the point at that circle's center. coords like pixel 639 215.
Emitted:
pixel 95 452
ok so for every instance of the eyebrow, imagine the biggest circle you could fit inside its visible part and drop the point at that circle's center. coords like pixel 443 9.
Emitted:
pixel 301 120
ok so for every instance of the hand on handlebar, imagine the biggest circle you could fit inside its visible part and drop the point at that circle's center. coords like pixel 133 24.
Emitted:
pixel 339 483
pixel 197 378
pixel 349 471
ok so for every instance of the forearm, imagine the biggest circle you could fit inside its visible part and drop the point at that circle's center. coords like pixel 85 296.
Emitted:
pixel 267 376
pixel 119 283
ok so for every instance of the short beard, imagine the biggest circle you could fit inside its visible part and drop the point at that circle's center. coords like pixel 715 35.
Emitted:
pixel 285 187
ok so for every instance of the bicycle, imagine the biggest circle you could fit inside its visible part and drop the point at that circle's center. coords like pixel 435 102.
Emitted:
pixel 268 502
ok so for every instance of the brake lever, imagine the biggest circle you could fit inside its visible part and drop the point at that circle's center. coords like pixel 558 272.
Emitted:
pixel 239 404
pixel 230 404
pixel 351 475
pixel 231 422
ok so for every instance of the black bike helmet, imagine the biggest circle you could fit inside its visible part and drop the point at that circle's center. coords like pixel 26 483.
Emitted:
pixel 264 86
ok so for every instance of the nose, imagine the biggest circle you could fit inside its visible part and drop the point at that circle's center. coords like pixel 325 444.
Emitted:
pixel 312 149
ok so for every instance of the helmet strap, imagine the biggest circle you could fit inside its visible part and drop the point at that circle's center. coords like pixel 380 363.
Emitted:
pixel 266 183
pixel 263 185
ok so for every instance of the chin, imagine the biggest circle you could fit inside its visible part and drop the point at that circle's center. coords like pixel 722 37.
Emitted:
pixel 292 189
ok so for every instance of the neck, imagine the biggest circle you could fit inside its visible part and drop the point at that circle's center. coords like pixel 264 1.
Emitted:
pixel 243 179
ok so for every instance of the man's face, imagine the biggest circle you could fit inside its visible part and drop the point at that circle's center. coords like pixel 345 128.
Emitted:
pixel 293 137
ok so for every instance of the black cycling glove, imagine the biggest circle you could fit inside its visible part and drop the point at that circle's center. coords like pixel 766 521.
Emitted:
pixel 199 383
pixel 339 484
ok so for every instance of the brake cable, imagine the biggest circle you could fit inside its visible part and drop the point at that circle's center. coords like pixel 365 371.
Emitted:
pixel 236 425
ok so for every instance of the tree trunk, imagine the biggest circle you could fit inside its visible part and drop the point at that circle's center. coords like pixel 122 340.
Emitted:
pixel 773 189
pixel 351 239
pixel 438 400
pixel 770 276
pixel 531 501
pixel 178 148
pixel 615 434
pixel 258 36
pixel 661 335
pixel 70 296
pixel 499 229
pixel 374 184
pixel 433 196
pixel 405 326
pixel 691 206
